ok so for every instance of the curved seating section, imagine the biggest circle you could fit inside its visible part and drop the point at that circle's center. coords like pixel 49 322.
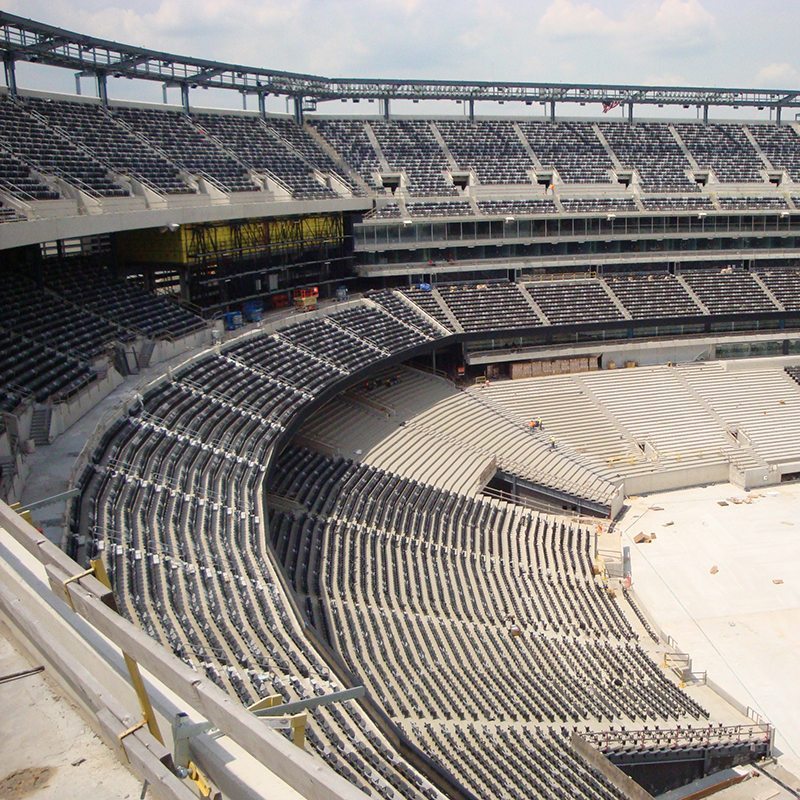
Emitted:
pixel 460 613
pixel 175 501
pixel 479 627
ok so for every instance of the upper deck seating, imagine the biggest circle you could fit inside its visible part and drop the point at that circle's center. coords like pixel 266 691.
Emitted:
pixel 651 150
pixel 184 144
pixel 725 149
pixel 94 128
pixel 571 148
pixel 488 147
pixel 409 146
pixel 50 153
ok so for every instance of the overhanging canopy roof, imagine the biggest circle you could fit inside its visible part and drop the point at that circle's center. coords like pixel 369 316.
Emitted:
pixel 27 40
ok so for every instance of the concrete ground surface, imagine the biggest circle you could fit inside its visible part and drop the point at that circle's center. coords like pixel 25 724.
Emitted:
pixel 47 751
pixel 722 577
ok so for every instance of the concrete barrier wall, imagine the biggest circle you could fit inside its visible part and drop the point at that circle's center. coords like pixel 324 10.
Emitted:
pixel 609 771
pixel 70 411
pixel 677 479
pixel 262 759
pixel 165 349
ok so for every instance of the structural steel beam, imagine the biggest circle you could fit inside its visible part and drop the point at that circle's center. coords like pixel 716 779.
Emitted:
pixel 26 39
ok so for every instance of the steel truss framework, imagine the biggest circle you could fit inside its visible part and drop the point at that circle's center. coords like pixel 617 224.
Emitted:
pixel 27 40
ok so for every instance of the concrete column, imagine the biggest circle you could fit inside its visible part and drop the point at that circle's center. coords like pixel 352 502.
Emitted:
pixel 102 88
pixel 298 110
pixel 11 73
pixel 471 110
pixel 386 108
pixel 552 111
pixel 185 97
pixel 777 115
pixel 630 113
pixel 262 104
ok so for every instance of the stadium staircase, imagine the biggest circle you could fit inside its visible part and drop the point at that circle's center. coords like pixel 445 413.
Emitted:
pixel 346 170
pixel 741 453
pixel 145 353
pixel 447 311
pixel 691 292
pixel 767 291
pixel 40 425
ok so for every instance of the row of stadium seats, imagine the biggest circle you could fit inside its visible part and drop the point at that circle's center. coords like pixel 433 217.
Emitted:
pixel 54 331
pixel 97 150
pixel 80 310
pixel 175 500
pixel 461 612
pixel 720 290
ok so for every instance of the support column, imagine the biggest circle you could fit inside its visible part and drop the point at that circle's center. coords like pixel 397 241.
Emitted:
pixel 386 108
pixel 262 104
pixel 777 115
pixel 705 114
pixel 102 88
pixel 552 111
pixel 11 73
pixel 471 110
pixel 298 109
pixel 630 113
pixel 185 98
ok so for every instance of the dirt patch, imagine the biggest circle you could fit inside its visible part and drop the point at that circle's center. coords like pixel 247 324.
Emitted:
pixel 24 782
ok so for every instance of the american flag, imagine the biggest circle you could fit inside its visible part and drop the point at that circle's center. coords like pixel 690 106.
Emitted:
pixel 608 106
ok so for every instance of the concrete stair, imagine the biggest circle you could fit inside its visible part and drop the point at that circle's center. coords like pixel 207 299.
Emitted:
pixel 40 425
pixel 145 353
pixel 691 292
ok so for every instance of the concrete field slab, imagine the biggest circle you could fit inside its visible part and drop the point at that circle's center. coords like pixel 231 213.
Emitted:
pixel 722 577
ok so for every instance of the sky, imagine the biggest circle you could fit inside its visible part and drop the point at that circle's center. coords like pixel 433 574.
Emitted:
pixel 686 42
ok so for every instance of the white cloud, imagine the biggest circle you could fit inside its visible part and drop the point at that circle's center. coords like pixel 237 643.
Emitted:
pixel 778 74
pixel 674 23
pixel 568 19
pixel 719 42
